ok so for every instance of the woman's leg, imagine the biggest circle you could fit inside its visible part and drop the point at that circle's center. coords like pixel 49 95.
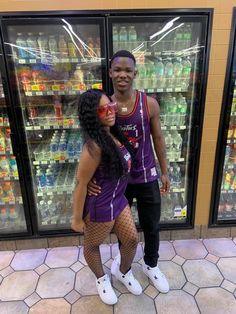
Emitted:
pixel 127 234
pixel 94 235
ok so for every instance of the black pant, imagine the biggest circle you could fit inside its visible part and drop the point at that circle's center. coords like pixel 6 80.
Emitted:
pixel 149 212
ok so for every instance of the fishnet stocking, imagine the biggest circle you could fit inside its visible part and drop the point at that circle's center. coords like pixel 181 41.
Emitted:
pixel 95 234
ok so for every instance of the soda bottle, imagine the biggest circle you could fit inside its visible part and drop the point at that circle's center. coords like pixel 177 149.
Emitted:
pixel 132 37
pixel 72 50
pixel 187 36
pixel 123 37
pixel 58 111
pixel 160 79
pixel 186 64
pixel 52 43
pixel 169 74
pixel 178 40
pixel 8 146
pixel 43 47
pixel 79 75
pixel 62 46
pixel 32 46
pixel 178 68
pixel 21 46
pixel 141 76
pixel 13 216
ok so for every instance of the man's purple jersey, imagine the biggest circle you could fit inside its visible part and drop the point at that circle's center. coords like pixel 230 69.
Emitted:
pixel 111 201
pixel 136 127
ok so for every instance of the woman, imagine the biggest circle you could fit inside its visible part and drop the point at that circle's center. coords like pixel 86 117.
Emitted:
pixel 105 158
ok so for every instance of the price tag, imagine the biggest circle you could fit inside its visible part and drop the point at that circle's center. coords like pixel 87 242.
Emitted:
pixel 44 162
pixel 169 89
pixel 36 162
pixel 37 127
pixel 65 60
pixel 182 127
pixel 159 90
pixel 178 89
pixel 55 88
pixel 72 92
pixel 22 61
pixel 61 93
pixel 49 93
pixel 28 94
pixel 184 211
pixel 61 161
pixel 40 194
pixel 35 87
pixel 49 193
pixel 63 221
pixel 44 223
pixel 150 90
pixel 32 61
pixel 39 93
pixel 173 127
pixel 59 192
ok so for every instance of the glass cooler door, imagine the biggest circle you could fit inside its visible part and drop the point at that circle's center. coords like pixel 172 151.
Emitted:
pixel 53 62
pixel 170 52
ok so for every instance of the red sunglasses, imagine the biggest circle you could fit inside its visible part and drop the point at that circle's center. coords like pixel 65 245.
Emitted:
pixel 103 110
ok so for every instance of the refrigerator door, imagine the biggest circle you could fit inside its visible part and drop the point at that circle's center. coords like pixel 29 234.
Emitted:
pixel 171 53
pixel 12 213
pixel 223 205
pixel 53 61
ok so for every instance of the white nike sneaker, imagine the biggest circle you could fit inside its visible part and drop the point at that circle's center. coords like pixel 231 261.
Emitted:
pixel 105 290
pixel 157 277
pixel 127 279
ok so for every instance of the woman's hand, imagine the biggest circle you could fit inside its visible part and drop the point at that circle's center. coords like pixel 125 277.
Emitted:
pixel 93 188
pixel 78 225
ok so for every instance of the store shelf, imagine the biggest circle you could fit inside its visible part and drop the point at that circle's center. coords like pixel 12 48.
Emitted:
pixel 174 127
pixel 228 191
pixel 47 162
pixel 51 127
pixel 231 141
pixel 230 166
pixel 177 190
pixel 230 215
pixel 6 154
pixel 57 191
pixel 52 93
pixel 18 200
pixel 60 60
pixel 175 159
pixel 164 90
pixel 11 178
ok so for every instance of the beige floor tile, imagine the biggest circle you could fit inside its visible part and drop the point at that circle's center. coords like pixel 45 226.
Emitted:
pixel 81 256
pixel 174 274
pixel 190 249
pixel 215 301
pixel 41 269
pixel 132 304
pixel 85 282
pixel 1 279
pixel 51 306
pixel 28 259
pixel 190 288
pixel 115 250
pixel 166 251
pixel 18 285
pixel 6 258
pixel 15 307
pixel 105 251
pixel 170 303
pixel 6 271
pixel 228 268
pixel 151 291
pixel 178 260
pixel 32 299
pixel 72 296
pixel 62 257
pixel 228 285
pixel 212 258
pixel 109 263
pixel 76 266
pixel 91 305
pixel 202 273
pixel 224 247
pixel 139 253
pixel 56 283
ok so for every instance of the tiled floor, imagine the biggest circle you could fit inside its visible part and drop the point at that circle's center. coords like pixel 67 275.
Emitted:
pixel 201 273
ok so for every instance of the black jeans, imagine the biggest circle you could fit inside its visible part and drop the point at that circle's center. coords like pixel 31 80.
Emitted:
pixel 149 212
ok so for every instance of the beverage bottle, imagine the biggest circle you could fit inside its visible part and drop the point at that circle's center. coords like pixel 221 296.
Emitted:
pixel 62 46
pixel 88 79
pixel 123 38
pixel 169 73
pixel 32 114
pixel 43 210
pixel 178 141
pixel 71 149
pixel 8 188
pixel 32 46
pixel 4 167
pixel 53 48
pixel 169 110
pixel 3 216
pixel 13 166
pixel 160 79
pixel 152 76
pixel 183 107
pixel 178 176
pixel 178 68
pixel 187 36
pixel 13 216
pixel 169 145
pixel 43 46
pixel 2 142
pixel 186 64
pixel 41 180
pixel 174 117
pixel 132 37
pixel 50 179
pixel 63 149
pixel 72 50
pixel 227 180
pixel 21 46
pixel 8 146
pixel 79 75
pixel 178 40
pixel 177 207
pixel 141 76
pixel 58 111
pixel 115 38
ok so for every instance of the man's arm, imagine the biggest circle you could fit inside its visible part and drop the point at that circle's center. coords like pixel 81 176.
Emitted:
pixel 158 141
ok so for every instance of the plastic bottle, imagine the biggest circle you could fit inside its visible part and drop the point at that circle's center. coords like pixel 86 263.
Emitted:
pixel 79 75
pixel 58 111
pixel 141 76
pixel 160 79
pixel 13 166
pixel 4 167
pixel 32 46
pixel 178 40
pixel 187 36
pixel 132 37
pixel 13 216
pixel 186 64
pixel 169 145
pixel 2 142
pixel 3 216
pixel 43 46
pixel 8 146
pixel 21 46
pixel 178 141
pixel 169 74
pixel 183 107
pixel 62 46
pixel 50 179
pixel 123 38
pixel 72 50
pixel 115 38
pixel 41 180
pixel 152 77
pixel 177 176
pixel 43 209
pixel 178 68
pixel 88 79
pixel 53 48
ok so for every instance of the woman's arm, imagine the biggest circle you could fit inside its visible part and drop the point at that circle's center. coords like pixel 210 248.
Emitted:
pixel 87 166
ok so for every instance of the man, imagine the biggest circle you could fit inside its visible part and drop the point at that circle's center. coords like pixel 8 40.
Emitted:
pixel 139 117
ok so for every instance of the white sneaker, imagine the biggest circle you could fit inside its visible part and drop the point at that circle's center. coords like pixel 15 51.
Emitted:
pixel 105 290
pixel 157 277
pixel 127 279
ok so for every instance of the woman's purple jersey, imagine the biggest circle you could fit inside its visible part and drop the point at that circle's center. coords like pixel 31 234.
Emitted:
pixel 136 127
pixel 111 201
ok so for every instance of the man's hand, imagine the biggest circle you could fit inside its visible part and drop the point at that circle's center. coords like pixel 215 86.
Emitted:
pixel 93 188
pixel 78 225
pixel 165 184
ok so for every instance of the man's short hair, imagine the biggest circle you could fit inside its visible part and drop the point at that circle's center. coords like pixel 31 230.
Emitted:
pixel 123 53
